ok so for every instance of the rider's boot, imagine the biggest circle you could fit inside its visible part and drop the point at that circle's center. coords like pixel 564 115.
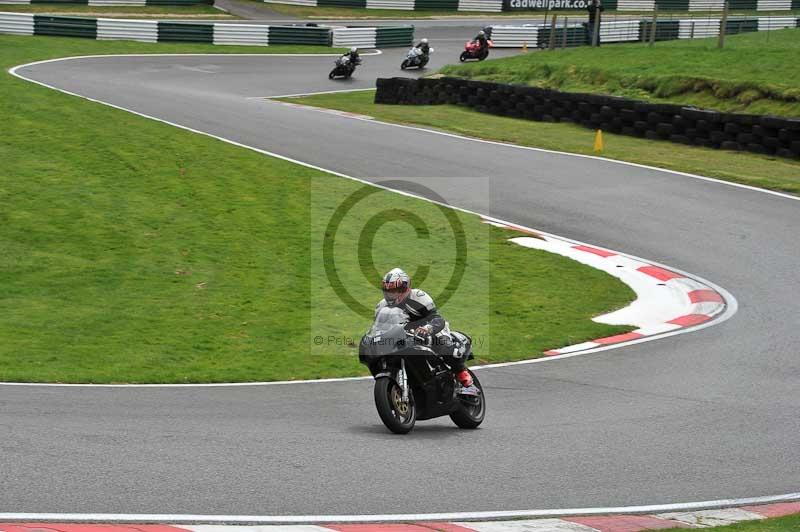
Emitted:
pixel 464 378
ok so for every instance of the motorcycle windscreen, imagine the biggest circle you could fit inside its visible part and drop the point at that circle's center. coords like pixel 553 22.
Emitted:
pixel 387 319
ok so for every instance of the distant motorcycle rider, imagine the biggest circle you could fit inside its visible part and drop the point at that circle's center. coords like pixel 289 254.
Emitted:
pixel 353 56
pixel 424 47
pixel 423 319
pixel 482 41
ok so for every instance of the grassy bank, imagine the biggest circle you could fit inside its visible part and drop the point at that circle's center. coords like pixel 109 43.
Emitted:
pixel 754 73
pixel 185 259
pixel 740 167
pixel 198 11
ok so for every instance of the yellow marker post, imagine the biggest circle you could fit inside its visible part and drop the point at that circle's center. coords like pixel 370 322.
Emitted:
pixel 524 46
pixel 598 141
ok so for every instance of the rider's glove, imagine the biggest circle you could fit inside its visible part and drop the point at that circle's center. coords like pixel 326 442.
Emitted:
pixel 424 332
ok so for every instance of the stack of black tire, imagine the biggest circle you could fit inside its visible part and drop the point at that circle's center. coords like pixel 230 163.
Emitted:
pixel 685 125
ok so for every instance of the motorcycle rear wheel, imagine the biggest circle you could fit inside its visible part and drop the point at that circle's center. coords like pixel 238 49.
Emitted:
pixel 397 416
pixel 473 409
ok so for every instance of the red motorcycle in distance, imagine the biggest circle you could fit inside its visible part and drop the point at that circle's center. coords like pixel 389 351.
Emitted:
pixel 472 50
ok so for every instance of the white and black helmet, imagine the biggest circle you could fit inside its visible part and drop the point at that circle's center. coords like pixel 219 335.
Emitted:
pixel 396 285
pixel 424 41
pixel 354 49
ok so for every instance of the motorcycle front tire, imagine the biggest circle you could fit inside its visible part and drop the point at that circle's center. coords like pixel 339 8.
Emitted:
pixel 332 74
pixel 404 64
pixel 463 57
pixel 384 389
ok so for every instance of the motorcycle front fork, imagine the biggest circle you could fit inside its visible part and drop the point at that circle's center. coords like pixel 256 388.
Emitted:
pixel 402 379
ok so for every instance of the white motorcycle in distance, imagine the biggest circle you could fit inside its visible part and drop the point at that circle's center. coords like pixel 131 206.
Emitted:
pixel 415 58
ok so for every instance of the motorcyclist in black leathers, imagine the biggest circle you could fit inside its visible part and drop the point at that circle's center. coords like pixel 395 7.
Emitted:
pixel 423 320
pixel 482 41
pixel 424 47
pixel 355 59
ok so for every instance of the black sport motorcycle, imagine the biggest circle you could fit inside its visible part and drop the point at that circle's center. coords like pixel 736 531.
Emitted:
pixel 344 67
pixel 412 382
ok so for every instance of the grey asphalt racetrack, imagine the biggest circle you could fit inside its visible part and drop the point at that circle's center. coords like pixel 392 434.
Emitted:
pixel 706 415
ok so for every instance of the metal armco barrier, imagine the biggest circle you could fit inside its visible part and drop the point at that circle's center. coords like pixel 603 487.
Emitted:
pixel 405 5
pixel 185 32
pixel 361 37
pixel 579 6
pixel 127 30
pixel 674 123
pixel 250 35
pixel 516 36
pixel 204 32
pixel 113 3
pixel 538 35
pixel 388 37
pixel 486 6
pixel 65 26
pixel 16 23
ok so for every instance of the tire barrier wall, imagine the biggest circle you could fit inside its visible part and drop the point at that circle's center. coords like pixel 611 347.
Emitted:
pixel 538 35
pixel 543 5
pixel 209 32
pixel 112 3
pixel 674 123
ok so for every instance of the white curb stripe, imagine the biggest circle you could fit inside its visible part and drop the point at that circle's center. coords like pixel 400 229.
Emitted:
pixel 534 525
pixel 710 518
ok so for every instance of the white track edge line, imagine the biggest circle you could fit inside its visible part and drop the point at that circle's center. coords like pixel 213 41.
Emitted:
pixel 730 308
pixel 388 518
pixel 306 94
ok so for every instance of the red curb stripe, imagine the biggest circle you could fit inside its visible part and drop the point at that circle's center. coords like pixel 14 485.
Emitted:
pixel 589 249
pixel 86 527
pixel 690 319
pixel 705 296
pixel 659 273
pixel 775 510
pixel 551 352
pixel 625 523
pixel 618 338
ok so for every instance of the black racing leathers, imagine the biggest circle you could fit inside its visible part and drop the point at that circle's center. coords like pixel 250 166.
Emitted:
pixel 421 311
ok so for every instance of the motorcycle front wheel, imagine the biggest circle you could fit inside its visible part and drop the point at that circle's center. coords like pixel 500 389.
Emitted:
pixel 332 74
pixel 398 416
pixel 404 64
pixel 472 408
pixel 463 57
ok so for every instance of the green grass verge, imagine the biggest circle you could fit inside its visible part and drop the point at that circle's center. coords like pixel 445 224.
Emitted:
pixel 137 252
pixel 758 170
pixel 790 523
pixel 754 73
pixel 199 11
